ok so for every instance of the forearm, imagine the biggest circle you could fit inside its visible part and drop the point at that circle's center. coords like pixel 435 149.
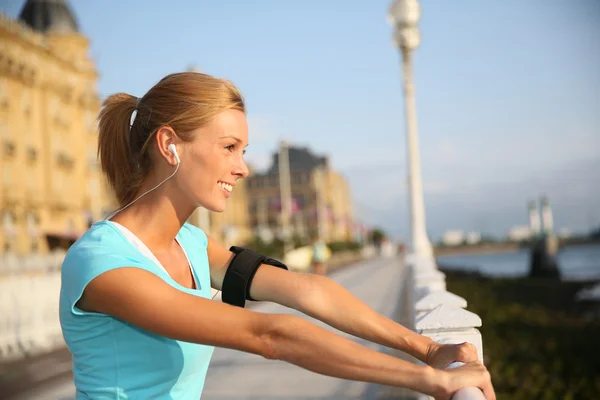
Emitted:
pixel 302 343
pixel 337 307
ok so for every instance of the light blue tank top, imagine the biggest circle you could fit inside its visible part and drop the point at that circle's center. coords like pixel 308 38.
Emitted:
pixel 113 359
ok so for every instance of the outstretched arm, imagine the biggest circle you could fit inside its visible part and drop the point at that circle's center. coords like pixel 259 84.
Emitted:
pixel 302 343
pixel 324 299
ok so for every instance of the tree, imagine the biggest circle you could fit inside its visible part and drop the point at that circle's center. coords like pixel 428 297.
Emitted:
pixel 377 235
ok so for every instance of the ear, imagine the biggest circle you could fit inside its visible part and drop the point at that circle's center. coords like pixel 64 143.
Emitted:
pixel 164 137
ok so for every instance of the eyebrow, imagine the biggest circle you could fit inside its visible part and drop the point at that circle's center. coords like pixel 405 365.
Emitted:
pixel 233 137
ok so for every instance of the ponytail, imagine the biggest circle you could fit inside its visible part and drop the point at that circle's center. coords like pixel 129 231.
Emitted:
pixel 114 150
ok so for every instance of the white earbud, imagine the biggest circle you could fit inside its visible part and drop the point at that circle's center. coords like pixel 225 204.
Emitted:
pixel 173 150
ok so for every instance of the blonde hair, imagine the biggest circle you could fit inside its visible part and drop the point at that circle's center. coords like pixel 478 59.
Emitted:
pixel 184 101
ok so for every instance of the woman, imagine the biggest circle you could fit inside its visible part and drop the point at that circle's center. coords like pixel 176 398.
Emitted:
pixel 135 304
pixel 319 256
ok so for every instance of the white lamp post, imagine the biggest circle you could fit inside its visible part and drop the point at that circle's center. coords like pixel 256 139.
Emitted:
pixel 404 15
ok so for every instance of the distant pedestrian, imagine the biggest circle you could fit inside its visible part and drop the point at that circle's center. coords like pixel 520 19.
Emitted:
pixel 319 256
pixel 135 305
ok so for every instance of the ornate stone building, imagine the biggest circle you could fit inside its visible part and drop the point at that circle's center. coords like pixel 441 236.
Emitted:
pixel 51 186
pixel 321 199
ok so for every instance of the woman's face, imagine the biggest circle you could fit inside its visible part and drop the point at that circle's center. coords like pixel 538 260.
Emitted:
pixel 213 162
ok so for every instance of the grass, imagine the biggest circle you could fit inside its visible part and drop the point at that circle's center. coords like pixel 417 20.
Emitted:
pixel 538 342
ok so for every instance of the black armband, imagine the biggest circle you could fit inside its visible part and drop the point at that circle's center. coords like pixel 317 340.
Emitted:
pixel 241 271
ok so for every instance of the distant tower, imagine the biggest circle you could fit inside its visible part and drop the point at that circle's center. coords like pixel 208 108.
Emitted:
pixel 544 248
pixel 534 220
pixel 547 218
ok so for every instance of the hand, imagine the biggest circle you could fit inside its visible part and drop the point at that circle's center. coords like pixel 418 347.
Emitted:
pixel 472 374
pixel 441 355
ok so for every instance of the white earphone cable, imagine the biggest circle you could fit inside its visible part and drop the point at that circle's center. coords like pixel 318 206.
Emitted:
pixel 155 187
pixel 145 193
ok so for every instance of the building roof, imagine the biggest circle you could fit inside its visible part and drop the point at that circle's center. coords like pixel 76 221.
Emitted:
pixel 49 16
pixel 301 159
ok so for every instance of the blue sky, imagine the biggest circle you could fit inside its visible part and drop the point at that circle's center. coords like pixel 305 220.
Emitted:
pixel 508 94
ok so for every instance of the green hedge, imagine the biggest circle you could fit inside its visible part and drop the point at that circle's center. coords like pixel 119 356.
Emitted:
pixel 275 248
pixel 538 342
pixel 343 246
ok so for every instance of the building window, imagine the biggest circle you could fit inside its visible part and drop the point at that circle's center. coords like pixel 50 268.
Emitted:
pixel 8 147
pixel 33 223
pixel 4 98
pixel 8 223
pixel 32 154
pixel 65 160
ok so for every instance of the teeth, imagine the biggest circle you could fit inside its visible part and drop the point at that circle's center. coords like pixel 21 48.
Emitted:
pixel 225 186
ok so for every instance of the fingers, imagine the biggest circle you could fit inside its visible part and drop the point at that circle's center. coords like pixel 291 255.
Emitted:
pixel 467 352
pixel 486 385
pixel 488 392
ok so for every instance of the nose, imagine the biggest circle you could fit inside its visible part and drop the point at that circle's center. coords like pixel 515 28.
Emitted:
pixel 241 170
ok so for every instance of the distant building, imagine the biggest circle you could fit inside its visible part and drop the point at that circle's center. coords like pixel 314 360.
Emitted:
pixel 453 238
pixel 547 216
pixel 232 226
pixel 307 171
pixel 565 233
pixel 535 223
pixel 519 233
pixel 51 187
pixel 473 238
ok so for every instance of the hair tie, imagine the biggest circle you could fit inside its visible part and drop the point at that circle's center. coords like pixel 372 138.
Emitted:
pixel 134 113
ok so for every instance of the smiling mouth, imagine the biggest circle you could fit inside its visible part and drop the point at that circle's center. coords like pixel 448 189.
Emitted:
pixel 226 187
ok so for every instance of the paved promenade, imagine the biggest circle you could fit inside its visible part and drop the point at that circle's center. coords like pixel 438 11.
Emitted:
pixel 238 376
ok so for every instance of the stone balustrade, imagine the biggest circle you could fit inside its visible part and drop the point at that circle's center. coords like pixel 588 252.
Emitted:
pixel 434 312
pixel 29 292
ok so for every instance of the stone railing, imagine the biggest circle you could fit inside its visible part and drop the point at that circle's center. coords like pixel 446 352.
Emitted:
pixel 432 311
pixel 29 291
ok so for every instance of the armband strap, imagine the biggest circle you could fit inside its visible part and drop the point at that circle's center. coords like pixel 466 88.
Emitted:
pixel 239 275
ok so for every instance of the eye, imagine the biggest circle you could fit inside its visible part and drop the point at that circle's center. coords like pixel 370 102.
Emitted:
pixel 231 147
